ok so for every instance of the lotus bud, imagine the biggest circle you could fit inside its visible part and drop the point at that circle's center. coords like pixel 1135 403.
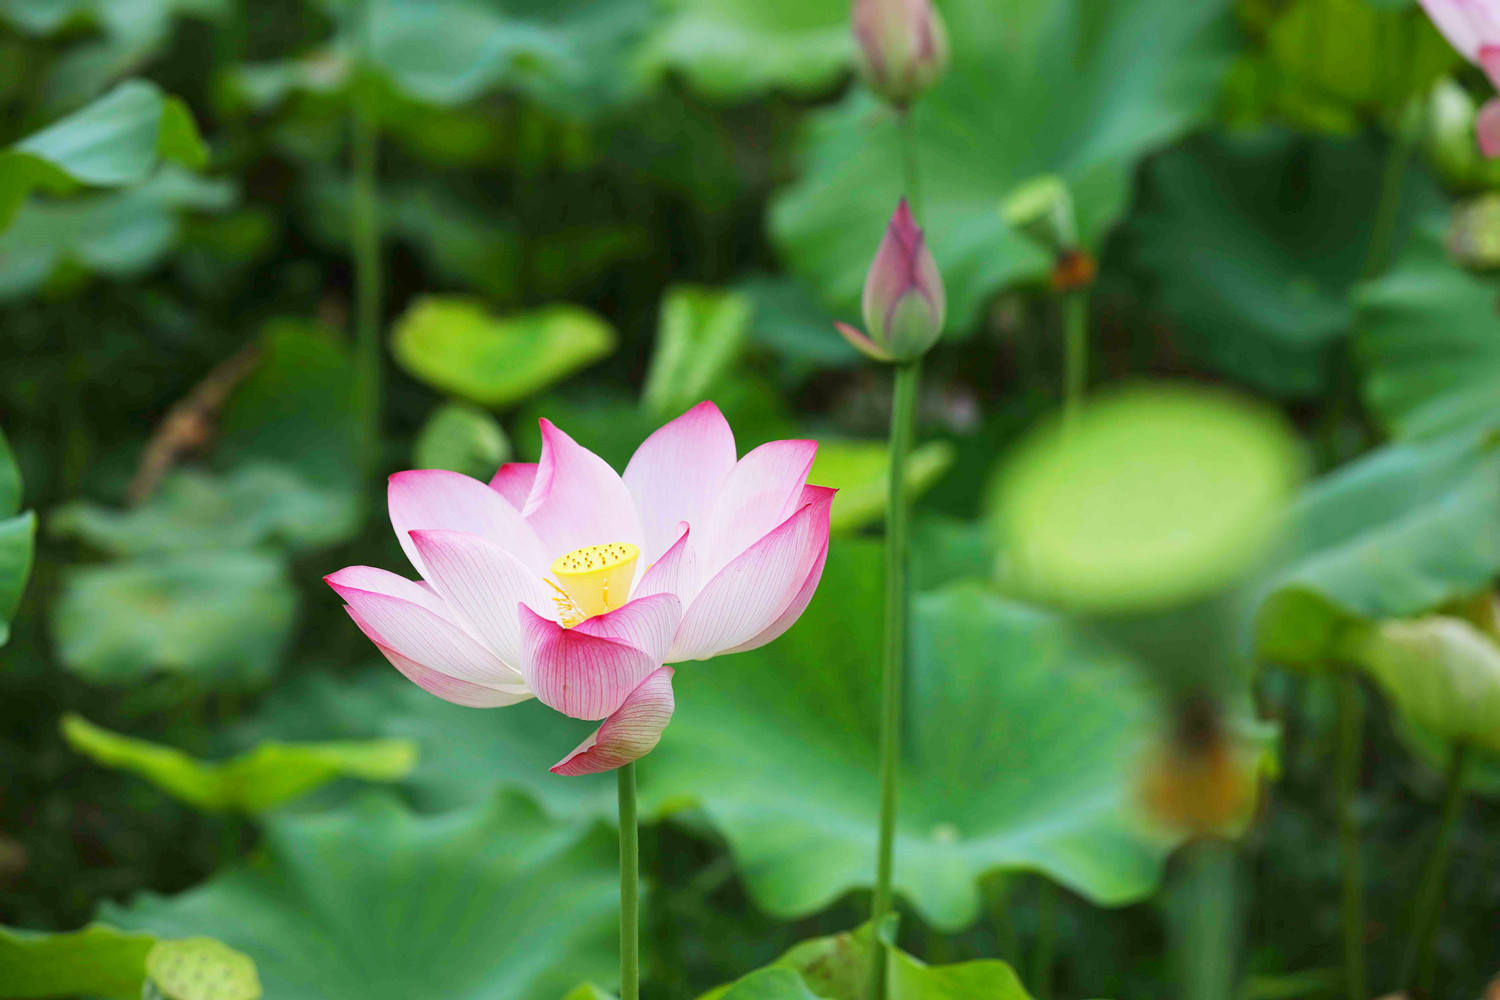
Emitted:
pixel 903 46
pixel 904 301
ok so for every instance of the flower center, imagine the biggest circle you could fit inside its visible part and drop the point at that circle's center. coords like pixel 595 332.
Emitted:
pixel 594 579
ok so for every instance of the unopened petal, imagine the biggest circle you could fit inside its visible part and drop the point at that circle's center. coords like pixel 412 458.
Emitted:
pixel 676 473
pixel 435 499
pixel 513 481
pixel 630 732
pixel 579 674
pixel 577 499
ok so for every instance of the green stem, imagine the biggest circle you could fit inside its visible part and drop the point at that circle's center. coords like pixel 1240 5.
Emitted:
pixel 1043 957
pixel 909 159
pixel 1416 966
pixel 893 671
pixel 365 238
pixel 1388 204
pixel 630 887
pixel 1210 931
pixel 1346 776
pixel 1075 372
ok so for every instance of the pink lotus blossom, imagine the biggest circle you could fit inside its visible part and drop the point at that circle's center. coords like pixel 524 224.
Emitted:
pixel 903 46
pixel 530 584
pixel 1473 28
pixel 904 300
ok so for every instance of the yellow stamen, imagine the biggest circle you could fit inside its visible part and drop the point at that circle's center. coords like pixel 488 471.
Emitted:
pixel 595 579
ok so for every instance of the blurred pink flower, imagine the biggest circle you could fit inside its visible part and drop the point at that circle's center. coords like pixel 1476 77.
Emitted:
pixel 530 586
pixel 1473 28
pixel 904 301
pixel 903 46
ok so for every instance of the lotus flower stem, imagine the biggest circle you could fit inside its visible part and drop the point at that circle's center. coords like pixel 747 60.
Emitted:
pixel 1044 955
pixel 909 159
pixel 1346 776
pixel 365 241
pixel 893 671
pixel 630 874
pixel 1416 965
pixel 1075 331
pixel 1209 926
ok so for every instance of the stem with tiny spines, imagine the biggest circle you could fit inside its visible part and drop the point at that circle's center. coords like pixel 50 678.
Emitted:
pixel 630 959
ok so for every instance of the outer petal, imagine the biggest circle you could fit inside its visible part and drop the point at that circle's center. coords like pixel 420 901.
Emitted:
pixel 760 492
pixel 578 674
pixel 1487 125
pixel 450 501
pixel 513 481
pixel 381 581
pixel 788 618
pixel 749 596
pixel 452 689
pixel 578 499
pixel 1460 24
pixel 420 634
pixel 630 733
pixel 648 623
pixel 676 473
pixel 482 583
pixel 676 572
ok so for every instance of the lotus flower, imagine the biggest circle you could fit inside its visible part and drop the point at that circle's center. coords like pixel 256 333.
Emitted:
pixel 904 301
pixel 530 584
pixel 903 46
pixel 1473 28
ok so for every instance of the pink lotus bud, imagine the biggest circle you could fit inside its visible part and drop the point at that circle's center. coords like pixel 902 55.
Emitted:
pixel 903 44
pixel 904 302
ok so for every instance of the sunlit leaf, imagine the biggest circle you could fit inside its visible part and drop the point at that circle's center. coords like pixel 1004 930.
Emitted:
pixel 374 903
pixel 456 345
pixel 859 471
pixel 97 961
pixel 219 617
pixel 698 339
pixel 268 776
pixel 1035 87
pixel 1157 496
pixel 462 438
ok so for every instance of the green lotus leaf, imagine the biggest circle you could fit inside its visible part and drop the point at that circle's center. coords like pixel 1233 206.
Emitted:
pixel 116 141
pixel 588 991
pixel 98 960
pixel 1251 243
pixel 1430 342
pixel 1035 87
pixel 740 49
pixel 778 748
pixel 462 438
pixel 1398 533
pixel 17 540
pixel 266 777
pixel 859 470
pixel 1442 672
pixel 455 345
pixel 221 617
pixel 201 969
pixel 1158 496
pixel 698 339
pixel 374 903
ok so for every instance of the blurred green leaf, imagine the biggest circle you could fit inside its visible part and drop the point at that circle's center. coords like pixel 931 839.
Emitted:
pixel 456 345
pixel 1398 533
pixel 588 991
pixel 10 480
pixel 777 746
pixel 1430 341
pixel 1252 242
pixel 738 49
pixel 462 438
pixel 220 617
pixel 253 503
pixel 116 141
pixel 201 969
pixel 97 960
pixel 1442 672
pixel 770 984
pixel 17 539
pixel 268 776
pixel 1035 87
pixel 354 905
pixel 789 320
pixel 698 339
pixel 1157 496
pixel 859 470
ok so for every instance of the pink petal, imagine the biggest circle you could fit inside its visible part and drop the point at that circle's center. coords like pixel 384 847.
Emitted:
pixel 482 583
pixel 760 492
pixel 513 481
pixel 447 688
pixel 862 343
pixel 676 572
pixel 449 501
pixel 1487 127
pixel 630 733
pixel 382 581
pixel 676 472
pixel 1489 60
pixel 578 499
pixel 578 674
pixel 788 618
pixel 648 623
pixel 1464 28
pixel 750 595
pixel 422 635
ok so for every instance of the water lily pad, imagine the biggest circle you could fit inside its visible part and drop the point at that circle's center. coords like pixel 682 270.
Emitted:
pixel 1035 87
pixel 374 903
pixel 1156 497
pixel 268 776
pixel 462 438
pixel 778 747
pixel 859 469
pixel 456 345
pixel 698 339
